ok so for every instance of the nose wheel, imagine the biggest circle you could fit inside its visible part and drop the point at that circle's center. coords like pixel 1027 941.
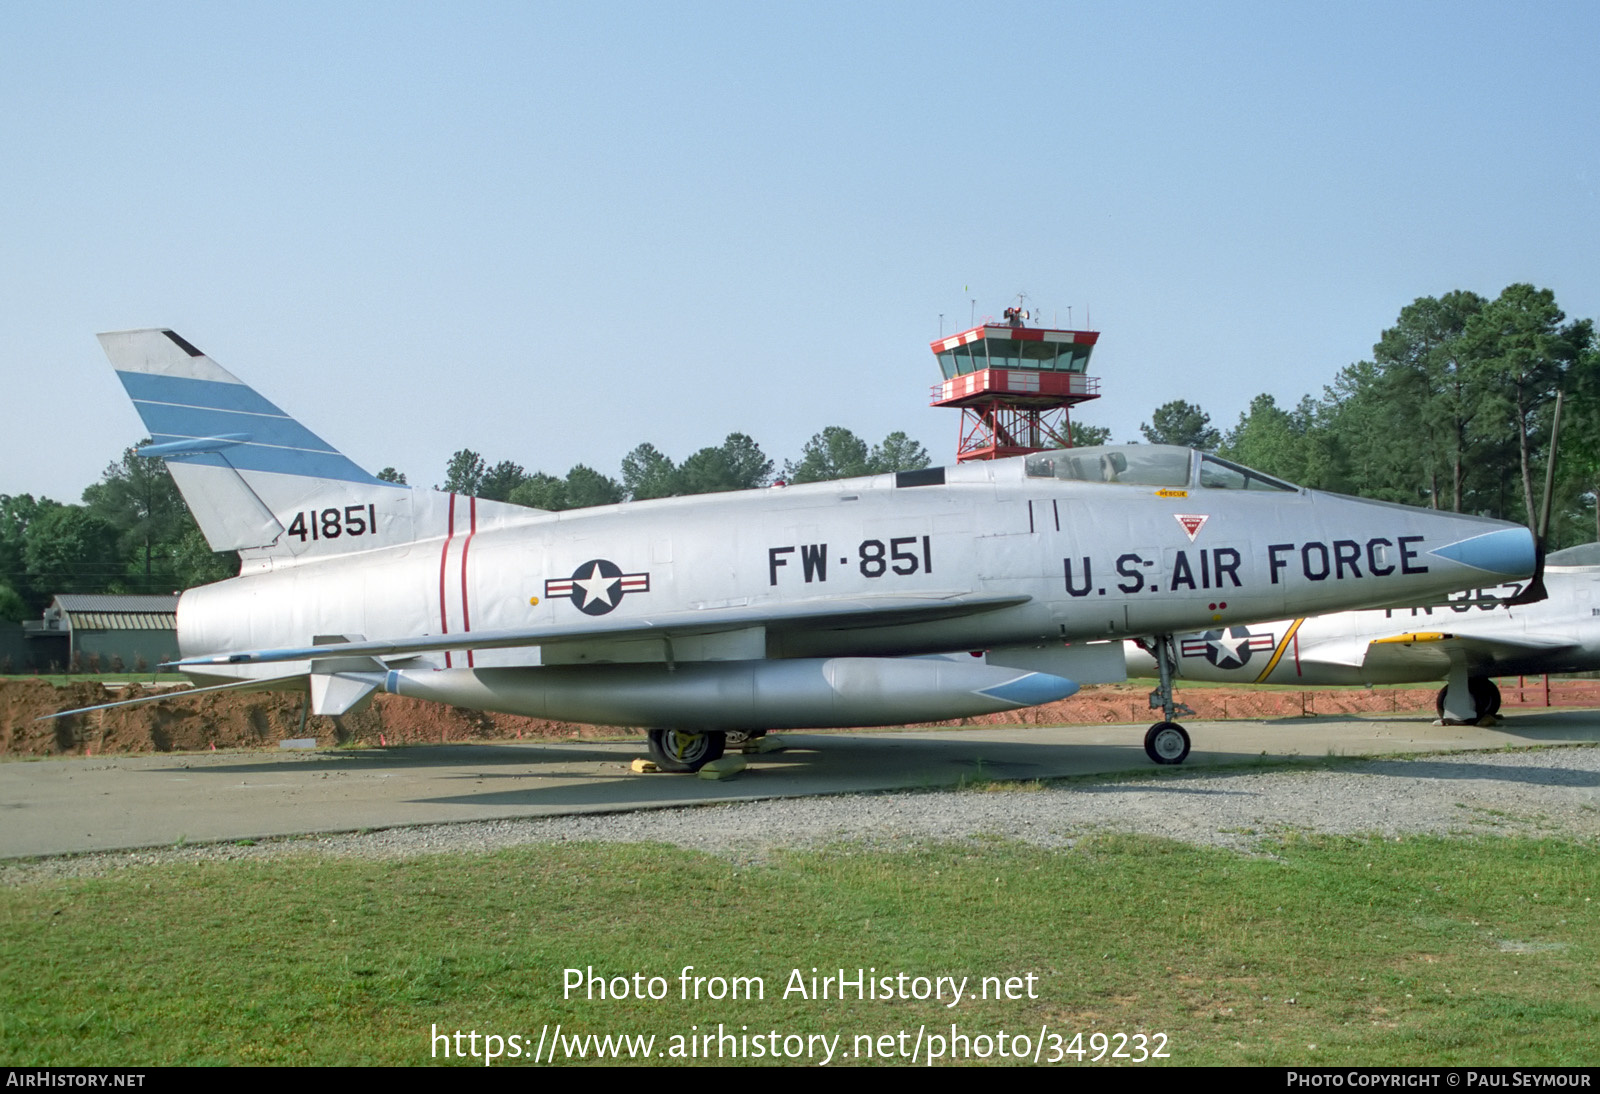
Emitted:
pixel 1167 742
pixel 682 750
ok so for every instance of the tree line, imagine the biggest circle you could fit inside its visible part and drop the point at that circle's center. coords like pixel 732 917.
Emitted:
pixel 133 533
pixel 1453 411
pixel 736 464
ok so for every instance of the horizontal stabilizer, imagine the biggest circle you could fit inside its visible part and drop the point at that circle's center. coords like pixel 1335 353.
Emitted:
pixel 339 693
pixel 176 693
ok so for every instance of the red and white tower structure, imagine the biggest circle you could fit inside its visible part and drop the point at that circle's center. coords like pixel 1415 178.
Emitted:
pixel 1014 385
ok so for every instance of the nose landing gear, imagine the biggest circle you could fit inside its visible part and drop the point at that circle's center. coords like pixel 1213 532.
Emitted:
pixel 1167 742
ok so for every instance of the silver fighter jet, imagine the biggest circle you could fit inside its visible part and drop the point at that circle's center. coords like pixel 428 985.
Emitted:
pixel 923 595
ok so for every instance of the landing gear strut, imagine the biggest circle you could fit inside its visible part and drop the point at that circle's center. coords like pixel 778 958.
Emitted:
pixel 682 750
pixel 1167 742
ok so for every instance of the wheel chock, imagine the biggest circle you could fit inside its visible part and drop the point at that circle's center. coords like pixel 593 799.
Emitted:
pixel 724 768
pixel 642 766
pixel 760 745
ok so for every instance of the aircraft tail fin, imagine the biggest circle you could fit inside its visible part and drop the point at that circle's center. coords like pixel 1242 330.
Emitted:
pixel 248 470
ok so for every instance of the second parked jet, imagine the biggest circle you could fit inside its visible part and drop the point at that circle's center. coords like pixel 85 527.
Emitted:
pixel 1477 635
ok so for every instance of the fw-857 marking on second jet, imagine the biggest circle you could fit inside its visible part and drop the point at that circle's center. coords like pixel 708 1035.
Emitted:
pixel 848 603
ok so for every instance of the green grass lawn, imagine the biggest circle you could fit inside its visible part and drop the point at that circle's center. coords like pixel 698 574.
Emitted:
pixel 1325 951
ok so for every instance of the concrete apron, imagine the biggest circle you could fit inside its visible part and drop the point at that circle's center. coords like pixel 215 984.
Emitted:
pixel 63 805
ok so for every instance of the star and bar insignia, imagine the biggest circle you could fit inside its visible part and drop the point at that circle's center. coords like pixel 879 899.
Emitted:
pixel 597 586
pixel 1229 649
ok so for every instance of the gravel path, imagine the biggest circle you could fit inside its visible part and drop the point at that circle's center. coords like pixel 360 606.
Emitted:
pixel 1552 791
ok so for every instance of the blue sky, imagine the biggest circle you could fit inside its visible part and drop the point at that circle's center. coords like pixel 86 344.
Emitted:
pixel 552 232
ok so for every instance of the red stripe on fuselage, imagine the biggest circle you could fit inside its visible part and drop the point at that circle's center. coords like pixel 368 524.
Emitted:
pixel 472 530
pixel 444 561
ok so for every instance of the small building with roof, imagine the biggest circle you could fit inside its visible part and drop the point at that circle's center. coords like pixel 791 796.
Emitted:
pixel 104 633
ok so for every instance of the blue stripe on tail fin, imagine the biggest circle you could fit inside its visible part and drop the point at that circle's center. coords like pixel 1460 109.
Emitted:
pixel 244 466
pixel 182 395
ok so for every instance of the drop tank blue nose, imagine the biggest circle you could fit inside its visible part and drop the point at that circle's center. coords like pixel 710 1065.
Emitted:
pixel 1033 689
pixel 1508 552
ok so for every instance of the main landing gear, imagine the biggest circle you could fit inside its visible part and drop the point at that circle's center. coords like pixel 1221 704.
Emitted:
pixel 682 750
pixel 1167 742
pixel 1483 693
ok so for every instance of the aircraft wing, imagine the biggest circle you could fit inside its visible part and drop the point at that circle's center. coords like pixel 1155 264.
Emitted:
pixel 1438 650
pixel 831 614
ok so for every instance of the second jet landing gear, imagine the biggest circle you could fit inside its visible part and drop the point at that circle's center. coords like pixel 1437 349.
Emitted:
pixel 683 750
pixel 1483 696
pixel 1167 742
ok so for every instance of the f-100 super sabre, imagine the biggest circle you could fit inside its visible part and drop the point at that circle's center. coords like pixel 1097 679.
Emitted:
pixel 915 596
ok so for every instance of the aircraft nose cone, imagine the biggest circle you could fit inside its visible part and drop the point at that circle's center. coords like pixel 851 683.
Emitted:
pixel 1509 552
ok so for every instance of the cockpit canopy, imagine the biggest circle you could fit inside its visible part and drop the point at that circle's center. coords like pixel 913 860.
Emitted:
pixel 1149 465
pixel 1585 554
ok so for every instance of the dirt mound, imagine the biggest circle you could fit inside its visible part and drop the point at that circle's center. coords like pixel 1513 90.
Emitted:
pixel 263 718
pixel 258 719
pixel 1117 704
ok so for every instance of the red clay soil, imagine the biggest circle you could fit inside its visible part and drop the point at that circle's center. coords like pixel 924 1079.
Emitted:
pixel 262 719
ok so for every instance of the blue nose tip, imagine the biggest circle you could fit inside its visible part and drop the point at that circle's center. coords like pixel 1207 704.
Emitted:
pixel 1508 552
pixel 1033 689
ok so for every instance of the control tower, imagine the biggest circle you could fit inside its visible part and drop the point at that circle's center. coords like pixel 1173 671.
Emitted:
pixel 1014 385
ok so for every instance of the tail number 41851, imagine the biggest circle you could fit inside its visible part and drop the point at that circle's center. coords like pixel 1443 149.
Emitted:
pixel 352 520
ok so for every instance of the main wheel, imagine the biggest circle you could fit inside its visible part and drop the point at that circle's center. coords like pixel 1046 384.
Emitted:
pixel 682 750
pixel 1485 697
pixel 1167 743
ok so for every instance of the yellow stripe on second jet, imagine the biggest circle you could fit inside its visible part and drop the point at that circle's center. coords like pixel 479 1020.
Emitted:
pixel 1277 654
